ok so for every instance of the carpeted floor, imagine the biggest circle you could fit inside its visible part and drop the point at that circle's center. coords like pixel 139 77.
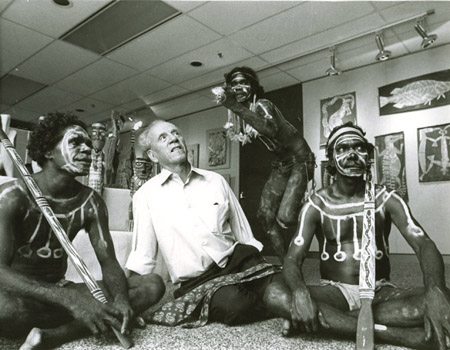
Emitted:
pixel 263 335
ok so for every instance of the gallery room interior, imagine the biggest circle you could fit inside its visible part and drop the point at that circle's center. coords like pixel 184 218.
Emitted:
pixel 383 65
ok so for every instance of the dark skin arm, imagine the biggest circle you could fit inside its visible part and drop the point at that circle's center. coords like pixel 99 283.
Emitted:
pixel 113 275
pixel 305 313
pixel 265 126
pixel 437 298
pixel 95 315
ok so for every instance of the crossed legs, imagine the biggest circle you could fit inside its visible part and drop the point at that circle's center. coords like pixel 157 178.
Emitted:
pixel 398 313
pixel 49 326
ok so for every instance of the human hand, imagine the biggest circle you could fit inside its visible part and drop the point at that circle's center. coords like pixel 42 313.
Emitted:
pixel 437 315
pixel 305 314
pixel 225 96
pixel 127 313
pixel 95 315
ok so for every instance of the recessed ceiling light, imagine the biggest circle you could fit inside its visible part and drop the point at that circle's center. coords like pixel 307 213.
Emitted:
pixel 64 3
pixel 196 64
pixel 79 110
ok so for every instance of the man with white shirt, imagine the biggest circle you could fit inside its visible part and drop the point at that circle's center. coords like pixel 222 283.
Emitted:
pixel 193 218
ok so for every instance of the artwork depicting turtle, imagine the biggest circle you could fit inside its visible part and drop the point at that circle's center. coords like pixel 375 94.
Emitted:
pixel 390 162
pixel 336 111
pixel 434 144
pixel 425 91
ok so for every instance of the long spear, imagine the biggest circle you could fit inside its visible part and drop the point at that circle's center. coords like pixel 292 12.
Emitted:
pixel 61 235
pixel 365 339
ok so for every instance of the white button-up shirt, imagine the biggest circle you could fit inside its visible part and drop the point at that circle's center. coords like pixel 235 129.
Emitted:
pixel 193 224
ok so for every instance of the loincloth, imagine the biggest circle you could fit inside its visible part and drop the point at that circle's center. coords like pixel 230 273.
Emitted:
pixel 285 165
pixel 351 291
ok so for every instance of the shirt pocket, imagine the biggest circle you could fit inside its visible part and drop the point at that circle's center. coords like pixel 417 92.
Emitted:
pixel 214 215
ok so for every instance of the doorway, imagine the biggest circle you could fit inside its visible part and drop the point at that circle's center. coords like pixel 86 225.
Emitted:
pixel 256 159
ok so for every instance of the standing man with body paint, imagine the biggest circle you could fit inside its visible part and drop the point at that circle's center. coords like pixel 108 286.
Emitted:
pixel 414 317
pixel 34 297
pixel 251 116
pixel 97 168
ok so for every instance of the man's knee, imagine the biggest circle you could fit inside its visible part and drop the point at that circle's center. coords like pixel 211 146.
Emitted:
pixel 232 305
pixel 145 290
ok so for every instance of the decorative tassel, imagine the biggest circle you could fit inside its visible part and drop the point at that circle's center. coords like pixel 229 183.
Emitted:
pixel 237 129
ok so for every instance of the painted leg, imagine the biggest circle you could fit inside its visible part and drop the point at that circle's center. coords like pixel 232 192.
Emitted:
pixel 278 300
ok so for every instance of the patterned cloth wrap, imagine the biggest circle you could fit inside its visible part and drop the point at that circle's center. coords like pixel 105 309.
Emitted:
pixel 174 312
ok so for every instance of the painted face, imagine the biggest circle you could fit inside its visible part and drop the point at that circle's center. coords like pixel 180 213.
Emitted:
pixel 98 136
pixel 350 155
pixel 73 152
pixel 167 145
pixel 242 88
pixel 142 168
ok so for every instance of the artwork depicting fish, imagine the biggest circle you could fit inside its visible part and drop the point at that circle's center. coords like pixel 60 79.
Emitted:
pixel 426 91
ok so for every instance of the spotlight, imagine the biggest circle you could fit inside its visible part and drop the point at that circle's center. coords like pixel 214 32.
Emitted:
pixel 332 71
pixel 383 55
pixel 427 39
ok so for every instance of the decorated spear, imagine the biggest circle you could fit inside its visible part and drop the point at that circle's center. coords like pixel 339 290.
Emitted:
pixel 365 328
pixel 61 235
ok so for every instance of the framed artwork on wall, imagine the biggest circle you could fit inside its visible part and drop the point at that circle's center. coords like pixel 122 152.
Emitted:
pixel 425 91
pixel 193 154
pixel 434 150
pixel 390 162
pixel 335 111
pixel 218 149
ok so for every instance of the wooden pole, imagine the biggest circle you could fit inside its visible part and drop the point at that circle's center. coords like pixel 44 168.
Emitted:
pixel 61 235
pixel 365 338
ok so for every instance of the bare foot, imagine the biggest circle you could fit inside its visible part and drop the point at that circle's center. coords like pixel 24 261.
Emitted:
pixel 34 340
pixel 286 328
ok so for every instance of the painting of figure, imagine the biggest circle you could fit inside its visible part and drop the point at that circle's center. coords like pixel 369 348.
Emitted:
pixel 336 111
pixel 390 162
pixel 434 145
pixel 425 91
pixel 218 149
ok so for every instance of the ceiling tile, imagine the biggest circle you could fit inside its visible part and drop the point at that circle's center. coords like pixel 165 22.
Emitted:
pixel 277 81
pixel 179 69
pixel 87 107
pixel 96 76
pixel 23 114
pixel 14 89
pixel 18 43
pixel 118 24
pixel 182 106
pixel 239 14
pixel 325 39
pixel 169 40
pixel 4 4
pixel 310 71
pixel 43 66
pixel 216 76
pixel 165 94
pixel 130 89
pixel 310 18
pixel 58 19
pixel 185 6
pixel 131 106
pixel 48 100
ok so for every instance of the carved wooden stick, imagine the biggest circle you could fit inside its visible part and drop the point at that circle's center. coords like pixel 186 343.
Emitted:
pixel 61 235
pixel 365 328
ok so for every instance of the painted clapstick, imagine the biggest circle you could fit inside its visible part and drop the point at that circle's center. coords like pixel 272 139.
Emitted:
pixel 365 329
pixel 61 235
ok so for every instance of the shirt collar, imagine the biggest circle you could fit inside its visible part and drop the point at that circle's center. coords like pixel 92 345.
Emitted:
pixel 165 174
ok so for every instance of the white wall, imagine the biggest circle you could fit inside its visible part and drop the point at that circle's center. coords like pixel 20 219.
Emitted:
pixel 429 202
pixel 194 129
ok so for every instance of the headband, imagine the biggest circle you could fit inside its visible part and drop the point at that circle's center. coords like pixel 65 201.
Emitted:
pixel 345 130
pixel 246 75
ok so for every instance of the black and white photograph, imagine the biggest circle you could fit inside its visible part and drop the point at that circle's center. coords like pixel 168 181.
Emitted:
pixel 224 175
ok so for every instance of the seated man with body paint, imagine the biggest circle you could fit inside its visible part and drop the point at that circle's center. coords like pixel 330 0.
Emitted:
pixel 193 218
pixel 34 297
pixel 413 317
